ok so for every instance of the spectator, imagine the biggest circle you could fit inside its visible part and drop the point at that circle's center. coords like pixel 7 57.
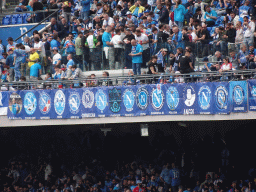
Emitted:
pixel 39 47
pixel 248 30
pixel 136 55
pixel 56 60
pixel 177 38
pixel 85 9
pixel 69 65
pixel 79 48
pixel 11 44
pixel 19 53
pixel 64 29
pixel 35 71
pixel 207 65
pixel 233 59
pixel 106 39
pixel 226 66
pixel 76 72
pixel 243 55
pixel 179 14
pixel 10 64
pixel 38 6
pixel 108 21
pixel 91 40
pixel 143 40
pixel 210 16
pixel 163 14
pixel 185 65
pixel 230 36
pixel 118 45
pixel 152 69
pixel 239 35
pixel 161 35
pixel 137 9
pixel 162 60
pixel 70 44
pixel 54 27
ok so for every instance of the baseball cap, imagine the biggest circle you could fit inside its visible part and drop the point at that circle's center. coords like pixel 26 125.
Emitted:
pixel 128 13
pixel 55 48
pixel 147 11
pixel 10 39
pixel 10 50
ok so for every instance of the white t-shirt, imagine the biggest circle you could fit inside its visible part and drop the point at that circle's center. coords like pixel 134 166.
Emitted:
pixel 115 41
pixel 108 22
pixel 142 38
pixel 90 41
pixel 38 45
pixel 56 58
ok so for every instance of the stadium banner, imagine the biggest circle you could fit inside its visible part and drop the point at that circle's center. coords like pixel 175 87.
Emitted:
pixel 174 102
pixel 60 104
pixel 74 103
pixel 252 94
pixel 238 96
pixel 131 100
pixel 102 102
pixel 221 98
pixel 4 102
pixel 205 98
pixel 128 101
pixel 88 107
pixel 141 100
pixel 156 99
pixel 15 107
pixel 45 104
pixel 189 95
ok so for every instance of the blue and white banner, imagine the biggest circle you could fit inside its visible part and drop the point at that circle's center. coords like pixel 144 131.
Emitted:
pixel 238 96
pixel 221 98
pixel 252 94
pixel 4 103
pixel 128 101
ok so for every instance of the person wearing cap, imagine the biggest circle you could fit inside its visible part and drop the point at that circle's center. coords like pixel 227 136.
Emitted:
pixel 139 187
pixel 11 44
pixel 130 17
pixel 56 59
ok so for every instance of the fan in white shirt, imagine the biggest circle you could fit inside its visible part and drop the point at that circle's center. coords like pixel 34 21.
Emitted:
pixel 108 21
pixel 116 40
pixel 142 39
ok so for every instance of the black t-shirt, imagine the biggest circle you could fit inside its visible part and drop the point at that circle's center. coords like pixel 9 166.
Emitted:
pixel 184 63
pixel 150 64
pixel 38 6
pixel 162 37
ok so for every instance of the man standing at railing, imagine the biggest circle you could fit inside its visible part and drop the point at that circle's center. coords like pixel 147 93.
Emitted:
pixel 106 38
pixel 136 55
pixel 143 40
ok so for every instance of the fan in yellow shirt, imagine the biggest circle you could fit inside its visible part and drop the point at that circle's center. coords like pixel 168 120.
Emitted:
pixel 33 57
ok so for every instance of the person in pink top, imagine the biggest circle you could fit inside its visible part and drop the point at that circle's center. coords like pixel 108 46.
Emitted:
pixel 226 66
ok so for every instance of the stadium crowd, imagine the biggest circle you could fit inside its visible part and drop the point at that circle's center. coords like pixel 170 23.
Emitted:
pixel 163 36
pixel 69 165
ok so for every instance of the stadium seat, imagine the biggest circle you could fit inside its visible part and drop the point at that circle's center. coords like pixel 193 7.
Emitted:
pixel 14 19
pixel 6 20
pixel 20 19
pixel 25 16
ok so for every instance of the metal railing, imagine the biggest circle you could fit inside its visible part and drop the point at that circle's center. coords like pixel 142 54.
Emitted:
pixel 130 80
pixel 37 24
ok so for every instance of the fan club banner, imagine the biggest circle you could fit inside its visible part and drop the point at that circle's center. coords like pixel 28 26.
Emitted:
pixel 128 101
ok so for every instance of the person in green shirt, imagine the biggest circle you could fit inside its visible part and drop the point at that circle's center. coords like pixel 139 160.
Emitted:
pixel 91 40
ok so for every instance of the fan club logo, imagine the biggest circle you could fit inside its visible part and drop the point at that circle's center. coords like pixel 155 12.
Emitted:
pixel 157 98
pixel 238 95
pixel 59 102
pixel 253 91
pixel 74 102
pixel 128 99
pixel 44 103
pixel 115 100
pixel 189 96
pixel 88 99
pixel 101 100
pixel 172 98
pixel 142 98
pixel 30 103
pixel 221 96
pixel 204 97
pixel 15 103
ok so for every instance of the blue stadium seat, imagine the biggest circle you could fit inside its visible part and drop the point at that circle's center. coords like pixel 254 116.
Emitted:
pixel 20 19
pixel 6 20
pixel 25 16
pixel 14 19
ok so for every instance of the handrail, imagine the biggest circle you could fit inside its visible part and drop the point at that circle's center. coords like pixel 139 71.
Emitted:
pixel 36 25
pixel 249 74
pixel 24 12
